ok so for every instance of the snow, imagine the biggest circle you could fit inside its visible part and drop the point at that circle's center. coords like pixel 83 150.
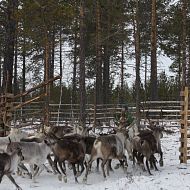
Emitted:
pixel 173 176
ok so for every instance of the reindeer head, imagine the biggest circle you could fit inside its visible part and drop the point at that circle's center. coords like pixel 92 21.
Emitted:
pixel 18 134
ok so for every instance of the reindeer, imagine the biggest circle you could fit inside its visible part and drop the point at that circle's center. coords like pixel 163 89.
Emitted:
pixel 9 163
pixel 15 136
pixel 158 134
pixel 144 145
pixel 108 147
pixel 67 150
pixel 34 154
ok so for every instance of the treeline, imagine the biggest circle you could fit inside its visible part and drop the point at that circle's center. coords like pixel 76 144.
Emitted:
pixel 102 37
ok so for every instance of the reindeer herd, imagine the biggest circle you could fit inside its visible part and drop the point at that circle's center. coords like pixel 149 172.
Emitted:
pixel 74 148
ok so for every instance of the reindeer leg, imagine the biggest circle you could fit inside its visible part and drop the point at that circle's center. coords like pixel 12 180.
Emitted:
pixel 75 173
pixel 32 172
pixel 97 164
pixel 55 165
pixel 1 176
pixel 61 167
pixel 36 170
pixel 21 167
pixel 107 167
pixel 161 159
pixel 134 156
pixel 88 168
pixel 14 182
pixel 159 150
pixel 46 168
pixel 51 163
pixel 63 171
pixel 125 164
pixel 153 162
pixel 82 167
pixel 102 165
pixel 110 167
pixel 147 165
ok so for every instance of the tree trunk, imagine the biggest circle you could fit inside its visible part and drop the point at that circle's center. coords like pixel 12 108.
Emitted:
pixel 10 28
pixel 60 54
pixel 106 73
pixel 184 44
pixel 106 68
pixel 153 77
pixel 23 73
pixel 179 57
pixel 145 77
pixel 46 77
pixel 16 87
pixel 98 57
pixel 137 58
pixel 82 66
pixel 0 71
pixel 52 61
pixel 74 87
pixel 24 67
pixel 122 75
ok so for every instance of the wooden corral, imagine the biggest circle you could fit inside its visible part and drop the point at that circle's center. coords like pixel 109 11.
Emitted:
pixel 185 133
pixel 167 111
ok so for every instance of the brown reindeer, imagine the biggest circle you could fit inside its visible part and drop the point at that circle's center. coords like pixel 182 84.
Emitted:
pixel 9 163
pixel 67 150
pixel 144 145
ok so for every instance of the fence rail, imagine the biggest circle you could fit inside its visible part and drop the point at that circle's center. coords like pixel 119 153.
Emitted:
pixel 154 110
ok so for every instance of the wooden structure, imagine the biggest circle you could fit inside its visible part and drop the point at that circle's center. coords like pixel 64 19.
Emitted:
pixel 162 111
pixel 185 135
pixel 6 105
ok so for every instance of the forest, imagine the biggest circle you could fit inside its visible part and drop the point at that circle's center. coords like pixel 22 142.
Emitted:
pixel 94 46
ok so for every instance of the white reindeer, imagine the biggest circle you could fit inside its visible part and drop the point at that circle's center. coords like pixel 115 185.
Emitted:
pixel 15 136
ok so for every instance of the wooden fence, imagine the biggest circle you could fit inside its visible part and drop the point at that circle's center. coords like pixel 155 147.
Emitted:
pixel 166 111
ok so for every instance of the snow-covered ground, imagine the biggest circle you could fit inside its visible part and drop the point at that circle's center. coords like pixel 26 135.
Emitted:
pixel 173 176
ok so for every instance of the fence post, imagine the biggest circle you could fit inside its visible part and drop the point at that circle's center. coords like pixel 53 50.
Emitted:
pixel 184 126
pixel 5 113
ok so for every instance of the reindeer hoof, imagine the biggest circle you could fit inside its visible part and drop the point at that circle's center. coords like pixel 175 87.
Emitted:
pixel 70 166
pixel 78 174
pixel 84 179
pixel 60 177
pixel 161 163
pixel 117 166
pixel 65 179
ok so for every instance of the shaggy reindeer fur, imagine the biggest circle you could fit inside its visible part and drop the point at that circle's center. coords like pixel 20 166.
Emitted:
pixel 15 136
pixel 108 147
pixel 144 145
pixel 8 164
pixel 67 150
pixel 34 154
